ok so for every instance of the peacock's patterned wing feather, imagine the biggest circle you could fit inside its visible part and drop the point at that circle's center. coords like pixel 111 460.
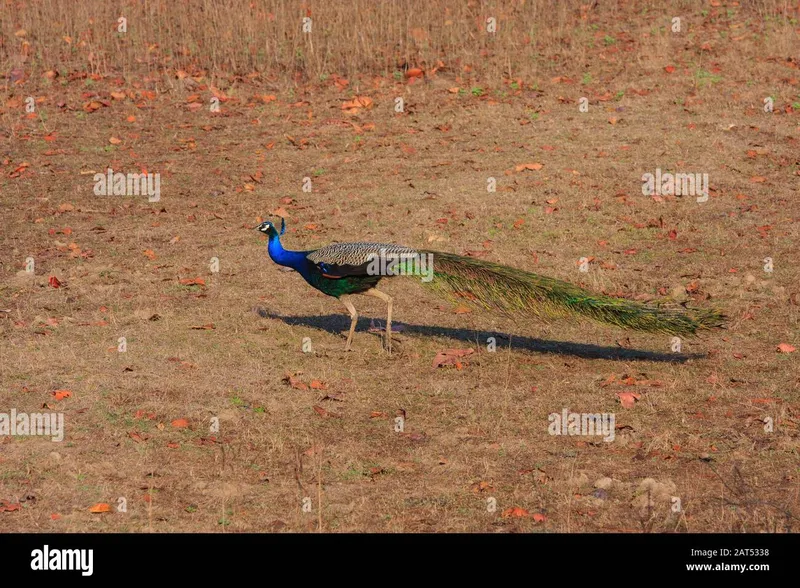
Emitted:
pixel 353 259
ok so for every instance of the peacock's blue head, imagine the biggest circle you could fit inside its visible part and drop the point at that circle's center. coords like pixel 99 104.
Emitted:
pixel 269 229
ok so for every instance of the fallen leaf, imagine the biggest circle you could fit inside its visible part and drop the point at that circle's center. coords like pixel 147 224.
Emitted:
pixel 531 166
pixel 294 382
pixel 450 356
pixel 325 413
pixel 786 348
pixel 62 394
pixel 192 282
pixel 100 507
pixel 180 423
pixel 6 506
pixel 515 512
pixel 628 399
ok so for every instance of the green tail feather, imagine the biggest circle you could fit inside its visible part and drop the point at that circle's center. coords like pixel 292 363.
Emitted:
pixel 510 290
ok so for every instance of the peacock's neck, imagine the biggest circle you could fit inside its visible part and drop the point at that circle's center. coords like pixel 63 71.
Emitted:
pixel 294 259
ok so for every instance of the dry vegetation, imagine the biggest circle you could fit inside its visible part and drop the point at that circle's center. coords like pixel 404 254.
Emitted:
pixel 319 425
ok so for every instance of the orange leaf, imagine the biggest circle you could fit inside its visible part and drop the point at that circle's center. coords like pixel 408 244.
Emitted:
pixel 115 141
pixel 317 385
pixel 515 511
pixel 192 282
pixel 180 423
pixel 786 348
pixel 62 394
pixel 531 166
pixel 100 507
pixel 539 517
pixel 149 253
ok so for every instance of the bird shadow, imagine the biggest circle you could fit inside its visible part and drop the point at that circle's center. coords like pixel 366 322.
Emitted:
pixel 336 324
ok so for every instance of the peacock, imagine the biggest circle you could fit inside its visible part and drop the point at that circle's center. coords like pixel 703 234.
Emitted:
pixel 344 269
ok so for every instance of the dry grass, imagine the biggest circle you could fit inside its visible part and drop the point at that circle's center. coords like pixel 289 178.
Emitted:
pixel 361 37
pixel 418 178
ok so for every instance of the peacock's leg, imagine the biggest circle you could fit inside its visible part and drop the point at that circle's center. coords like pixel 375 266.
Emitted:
pixel 388 300
pixel 353 320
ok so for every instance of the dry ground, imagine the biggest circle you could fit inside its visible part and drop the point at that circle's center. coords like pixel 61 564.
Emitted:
pixel 417 178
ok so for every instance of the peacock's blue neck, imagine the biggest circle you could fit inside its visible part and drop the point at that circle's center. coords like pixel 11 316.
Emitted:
pixel 293 259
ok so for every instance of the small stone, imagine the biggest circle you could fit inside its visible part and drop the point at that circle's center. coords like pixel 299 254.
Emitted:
pixel 604 483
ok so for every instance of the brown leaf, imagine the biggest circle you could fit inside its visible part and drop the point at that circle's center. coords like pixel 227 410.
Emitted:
pixel 628 399
pixel 531 166
pixel 450 356
pixel 206 327
pixel 137 437
pixel 482 486
pixel 294 382
pixel 326 413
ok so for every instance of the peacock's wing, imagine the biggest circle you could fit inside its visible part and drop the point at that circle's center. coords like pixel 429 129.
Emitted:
pixel 341 260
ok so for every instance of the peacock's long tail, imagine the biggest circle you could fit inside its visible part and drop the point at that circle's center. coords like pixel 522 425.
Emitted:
pixel 510 290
